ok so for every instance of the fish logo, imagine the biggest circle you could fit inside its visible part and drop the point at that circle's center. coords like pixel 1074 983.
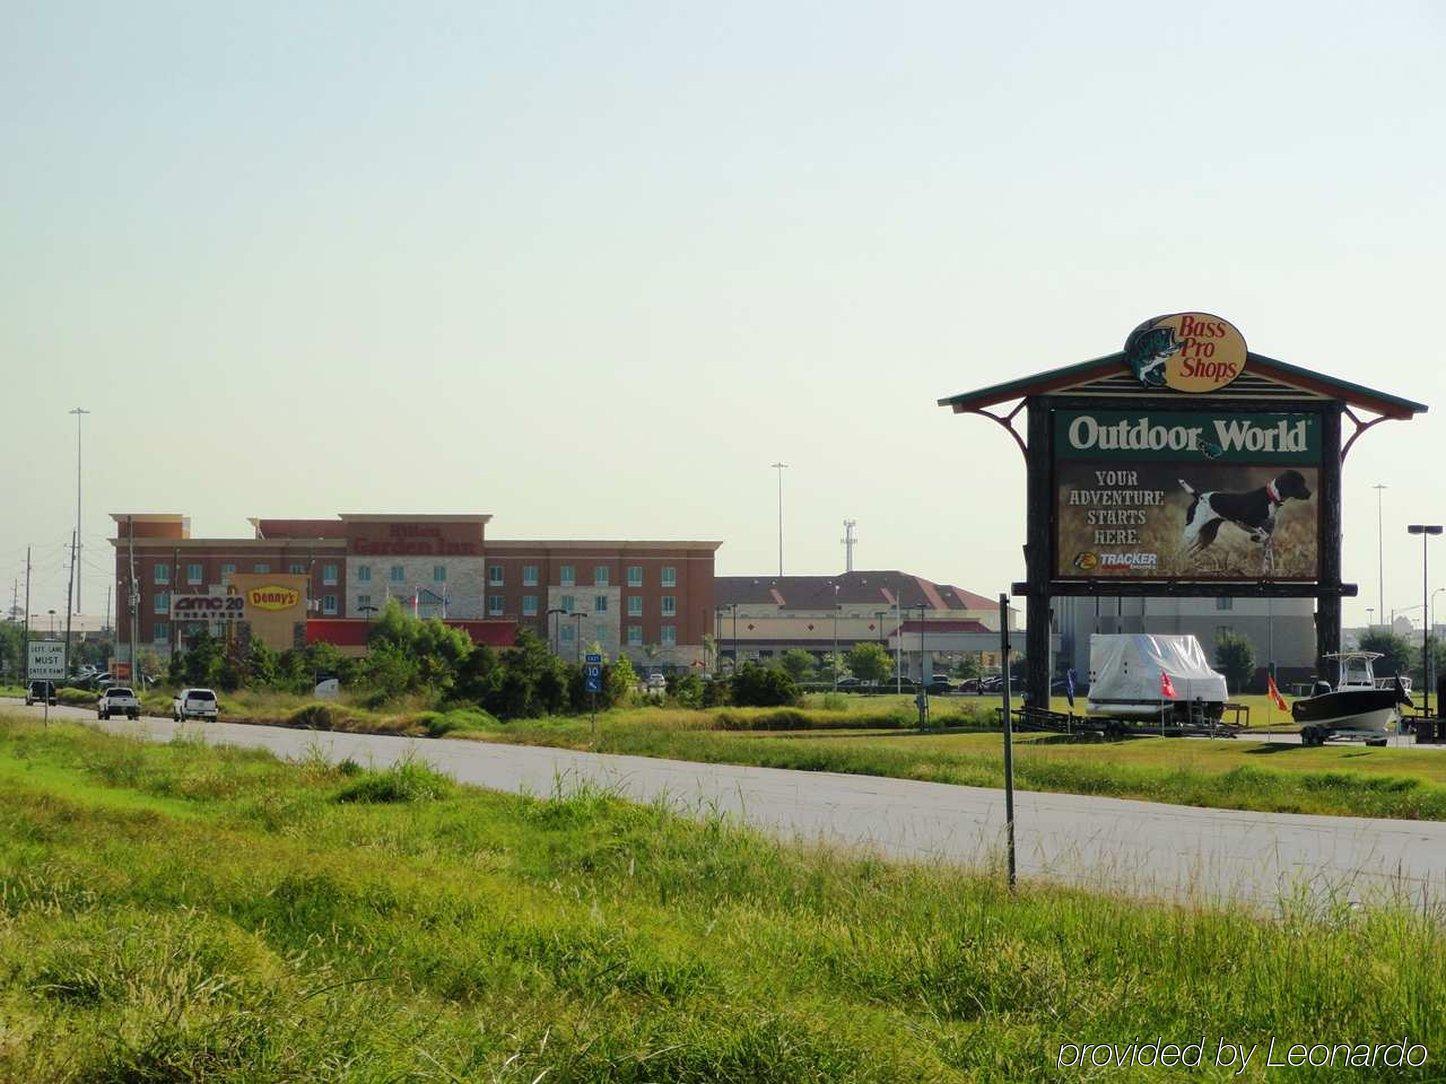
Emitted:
pixel 1147 351
pixel 1087 561
pixel 1186 351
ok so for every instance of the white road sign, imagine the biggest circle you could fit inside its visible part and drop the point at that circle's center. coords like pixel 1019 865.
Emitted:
pixel 47 660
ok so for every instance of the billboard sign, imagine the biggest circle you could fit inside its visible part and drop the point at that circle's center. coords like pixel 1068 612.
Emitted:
pixel 45 660
pixel 1186 351
pixel 207 607
pixel 273 596
pixel 1199 496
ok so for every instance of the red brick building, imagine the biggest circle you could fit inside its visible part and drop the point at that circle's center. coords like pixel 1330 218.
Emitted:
pixel 650 600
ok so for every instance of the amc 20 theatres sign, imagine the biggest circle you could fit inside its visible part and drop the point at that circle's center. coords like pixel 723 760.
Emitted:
pixel 1186 496
pixel 207 607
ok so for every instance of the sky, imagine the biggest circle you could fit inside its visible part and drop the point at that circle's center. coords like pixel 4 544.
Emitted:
pixel 593 267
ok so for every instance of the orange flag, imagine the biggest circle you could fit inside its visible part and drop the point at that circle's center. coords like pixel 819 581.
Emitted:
pixel 1274 691
pixel 1167 687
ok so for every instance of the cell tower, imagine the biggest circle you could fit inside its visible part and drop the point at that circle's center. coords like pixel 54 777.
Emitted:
pixel 849 540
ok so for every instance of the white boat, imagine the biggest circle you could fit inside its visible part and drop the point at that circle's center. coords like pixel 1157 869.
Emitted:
pixel 1358 708
pixel 1126 678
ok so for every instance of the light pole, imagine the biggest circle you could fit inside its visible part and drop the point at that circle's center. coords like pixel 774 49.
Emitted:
pixel 1425 530
pixel 833 663
pixel 79 573
pixel 577 615
pixel 552 626
pixel 780 468
pixel 1431 662
pixel 1370 618
pixel 1380 554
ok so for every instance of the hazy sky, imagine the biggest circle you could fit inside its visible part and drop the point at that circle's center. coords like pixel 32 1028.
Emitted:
pixel 592 267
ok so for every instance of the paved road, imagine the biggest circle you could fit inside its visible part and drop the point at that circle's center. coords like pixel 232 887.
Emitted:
pixel 1138 847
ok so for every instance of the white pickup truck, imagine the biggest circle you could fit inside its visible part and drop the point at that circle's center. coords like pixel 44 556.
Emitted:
pixel 118 700
pixel 194 704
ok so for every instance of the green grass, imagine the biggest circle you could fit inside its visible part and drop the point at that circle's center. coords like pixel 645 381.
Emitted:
pixel 173 912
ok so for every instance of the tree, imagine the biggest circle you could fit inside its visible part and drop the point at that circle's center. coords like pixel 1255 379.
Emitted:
pixel 260 664
pixel 757 687
pixel 1235 658
pixel 798 663
pixel 12 648
pixel 831 664
pixel 622 679
pixel 968 668
pixel 1399 652
pixel 869 661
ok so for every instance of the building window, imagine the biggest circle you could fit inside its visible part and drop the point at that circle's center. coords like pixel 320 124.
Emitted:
pixel 600 575
pixel 297 568
pixel 566 633
pixel 163 574
pixel 670 635
pixel 529 575
pixel 670 606
pixel 567 602
pixel 328 604
pixel 162 603
pixel 398 574
pixel 635 575
pixel 1225 604
pixel 529 605
pixel 193 574
pixel 635 605
pixel 328 575
pixel 261 567
pixel 363 603
pixel 600 604
pixel 439 573
pixel 1222 630
pixel 162 632
pixel 599 633
pixel 494 575
pixel 567 576
pixel 364 573
pixel 635 635
pixel 495 605
pixel 228 569
pixel 670 576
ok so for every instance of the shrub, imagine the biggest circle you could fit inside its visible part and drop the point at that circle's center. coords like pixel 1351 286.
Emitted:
pixel 787 719
pixel 753 686
pixel 458 720
pixel 686 690
pixel 408 780
pixel 835 702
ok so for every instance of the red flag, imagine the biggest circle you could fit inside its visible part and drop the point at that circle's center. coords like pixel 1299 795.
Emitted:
pixel 1274 691
pixel 1166 687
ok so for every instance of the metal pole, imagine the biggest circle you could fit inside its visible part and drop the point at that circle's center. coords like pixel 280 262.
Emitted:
pixel 1425 625
pixel 833 663
pixel 25 647
pixel 780 467
pixel 898 647
pixel 65 655
pixel 1380 553
pixel 79 413
pixel 1008 737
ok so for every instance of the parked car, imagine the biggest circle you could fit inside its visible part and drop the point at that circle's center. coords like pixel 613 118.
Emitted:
pixel 40 692
pixel 940 686
pixel 900 683
pixel 849 684
pixel 118 700
pixel 194 704
pixel 657 682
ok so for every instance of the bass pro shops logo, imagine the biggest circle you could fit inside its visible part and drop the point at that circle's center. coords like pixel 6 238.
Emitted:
pixel 1188 351
pixel 273 597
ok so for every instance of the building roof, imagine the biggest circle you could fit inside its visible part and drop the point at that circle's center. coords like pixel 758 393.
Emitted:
pixel 1070 376
pixel 942 626
pixel 882 588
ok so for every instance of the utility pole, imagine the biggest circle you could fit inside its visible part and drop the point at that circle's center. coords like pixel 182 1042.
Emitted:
pixel 780 468
pixel 1380 553
pixel 26 637
pixel 134 596
pixel 850 540
pixel 76 566
pixel 69 610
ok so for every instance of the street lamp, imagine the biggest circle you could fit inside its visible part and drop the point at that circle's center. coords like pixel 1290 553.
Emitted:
pixel 1425 530
pixel 52 623
pixel 833 663
pixel 780 467
pixel 552 626
pixel 577 615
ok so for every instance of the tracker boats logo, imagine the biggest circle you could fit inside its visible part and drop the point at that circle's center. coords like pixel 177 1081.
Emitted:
pixel 1187 351
pixel 1088 560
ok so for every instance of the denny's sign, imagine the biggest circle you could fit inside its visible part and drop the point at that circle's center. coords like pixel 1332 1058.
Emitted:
pixel 272 597
pixel 1186 351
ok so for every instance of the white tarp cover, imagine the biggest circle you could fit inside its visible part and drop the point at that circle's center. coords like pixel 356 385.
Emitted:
pixel 1126 667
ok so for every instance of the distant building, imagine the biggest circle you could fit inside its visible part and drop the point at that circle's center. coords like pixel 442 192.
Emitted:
pixel 761 617
pixel 649 600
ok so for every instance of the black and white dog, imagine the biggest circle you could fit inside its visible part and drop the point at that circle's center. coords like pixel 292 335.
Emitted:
pixel 1253 511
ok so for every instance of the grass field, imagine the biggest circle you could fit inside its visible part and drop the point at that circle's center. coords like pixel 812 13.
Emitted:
pixel 179 912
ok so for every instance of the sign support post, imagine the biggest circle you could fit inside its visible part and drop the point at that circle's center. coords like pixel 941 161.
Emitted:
pixel 592 682
pixel 1008 737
